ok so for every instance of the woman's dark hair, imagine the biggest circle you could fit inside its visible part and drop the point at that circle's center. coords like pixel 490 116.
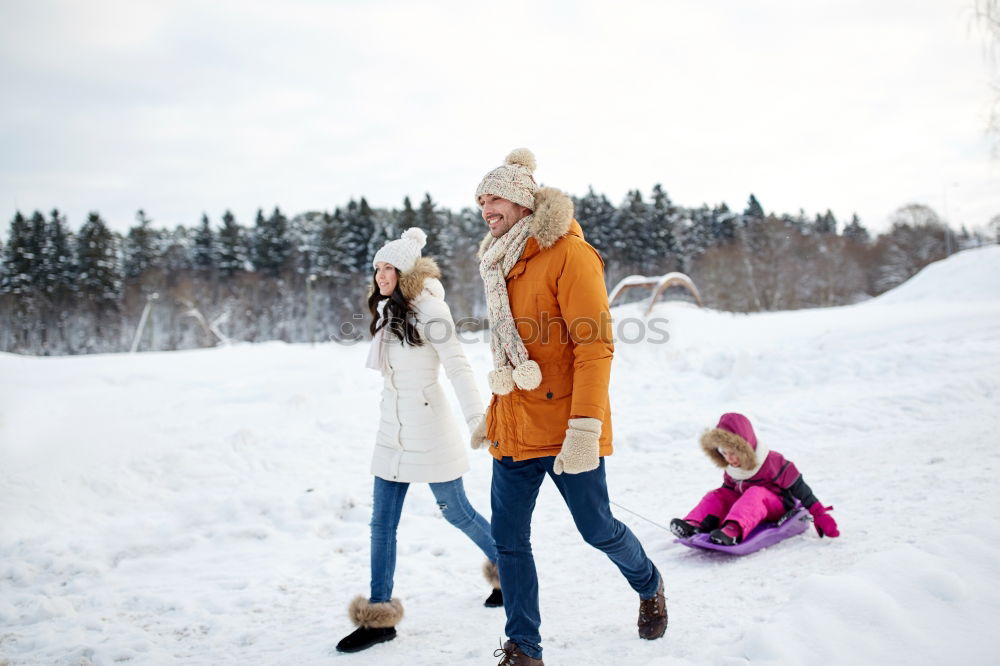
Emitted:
pixel 397 315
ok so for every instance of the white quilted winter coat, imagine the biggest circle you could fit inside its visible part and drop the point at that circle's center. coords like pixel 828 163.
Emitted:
pixel 419 440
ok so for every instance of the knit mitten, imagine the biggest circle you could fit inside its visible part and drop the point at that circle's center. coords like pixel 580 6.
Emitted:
pixel 581 448
pixel 477 426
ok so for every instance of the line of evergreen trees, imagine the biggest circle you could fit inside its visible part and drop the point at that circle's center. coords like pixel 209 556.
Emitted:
pixel 304 278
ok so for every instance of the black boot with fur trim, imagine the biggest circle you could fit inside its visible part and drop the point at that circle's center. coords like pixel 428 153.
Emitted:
pixel 376 623
pixel 495 600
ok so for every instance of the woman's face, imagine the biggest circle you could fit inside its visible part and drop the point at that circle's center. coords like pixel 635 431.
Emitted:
pixel 386 278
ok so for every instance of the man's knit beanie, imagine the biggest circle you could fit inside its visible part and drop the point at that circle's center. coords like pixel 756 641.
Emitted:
pixel 512 180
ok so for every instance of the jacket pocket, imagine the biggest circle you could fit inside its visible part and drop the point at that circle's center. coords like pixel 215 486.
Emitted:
pixel 435 401
pixel 546 408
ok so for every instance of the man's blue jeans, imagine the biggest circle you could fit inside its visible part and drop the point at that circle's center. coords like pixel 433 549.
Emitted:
pixel 515 488
pixel 387 506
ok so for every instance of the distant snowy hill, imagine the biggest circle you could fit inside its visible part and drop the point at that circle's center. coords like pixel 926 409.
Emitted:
pixel 211 506
pixel 973 275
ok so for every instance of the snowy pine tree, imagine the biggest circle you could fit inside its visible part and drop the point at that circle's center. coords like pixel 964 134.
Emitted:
pixel 327 257
pixel 697 236
pixel 596 215
pixel 231 246
pixel 19 258
pixel 387 228
pixel 855 230
pixel 474 229
pixel 302 253
pixel 407 216
pixel 825 223
pixel 37 249
pixel 272 247
pixel 429 220
pixel 139 246
pixel 726 224
pixel 662 248
pixel 100 275
pixel 450 246
pixel 57 258
pixel 629 233
pixel 173 250
pixel 754 209
pixel 358 230
pixel 390 224
pixel 367 225
pixel 254 242
pixel 459 239
pixel 203 253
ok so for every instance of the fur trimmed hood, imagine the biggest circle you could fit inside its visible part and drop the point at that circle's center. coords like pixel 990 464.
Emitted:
pixel 424 276
pixel 551 220
pixel 733 432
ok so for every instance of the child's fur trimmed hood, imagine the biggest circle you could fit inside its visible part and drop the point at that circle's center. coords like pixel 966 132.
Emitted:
pixel 717 438
pixel 734 432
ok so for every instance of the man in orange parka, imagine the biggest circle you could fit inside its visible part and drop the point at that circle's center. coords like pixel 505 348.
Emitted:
pixel 550 413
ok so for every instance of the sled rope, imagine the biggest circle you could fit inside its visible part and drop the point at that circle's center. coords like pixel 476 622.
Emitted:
pixel 665 529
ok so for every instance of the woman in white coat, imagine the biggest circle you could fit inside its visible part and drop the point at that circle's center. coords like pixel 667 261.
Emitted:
pixel 418 440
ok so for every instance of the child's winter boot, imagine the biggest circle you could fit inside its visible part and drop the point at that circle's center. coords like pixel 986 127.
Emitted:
pixel 727 535
pixel 682 529
pixel 686 528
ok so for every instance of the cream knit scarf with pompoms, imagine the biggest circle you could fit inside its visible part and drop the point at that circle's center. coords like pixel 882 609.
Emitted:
pixel 511 365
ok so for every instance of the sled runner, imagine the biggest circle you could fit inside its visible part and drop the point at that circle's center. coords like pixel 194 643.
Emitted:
pixel 766 534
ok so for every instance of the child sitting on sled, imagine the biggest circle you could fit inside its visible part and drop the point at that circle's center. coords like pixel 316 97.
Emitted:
pixel 758 485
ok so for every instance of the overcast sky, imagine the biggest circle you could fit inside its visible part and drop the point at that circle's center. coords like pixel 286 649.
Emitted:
pixel 182 107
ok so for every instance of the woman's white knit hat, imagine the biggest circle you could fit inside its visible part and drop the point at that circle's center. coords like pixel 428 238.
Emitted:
pixel 512 180
pixel 404 251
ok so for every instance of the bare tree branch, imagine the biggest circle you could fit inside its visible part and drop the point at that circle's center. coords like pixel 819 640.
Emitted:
pixel 988 20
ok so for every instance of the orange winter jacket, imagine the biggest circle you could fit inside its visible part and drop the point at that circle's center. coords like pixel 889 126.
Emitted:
pixel 560 306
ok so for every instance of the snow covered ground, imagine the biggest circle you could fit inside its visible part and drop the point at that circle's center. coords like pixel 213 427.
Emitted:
pixel 211 507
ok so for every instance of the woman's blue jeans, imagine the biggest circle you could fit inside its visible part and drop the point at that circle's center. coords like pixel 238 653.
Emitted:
pixel 387 506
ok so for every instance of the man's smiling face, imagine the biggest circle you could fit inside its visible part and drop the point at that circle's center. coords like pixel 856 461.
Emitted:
pixel 501 214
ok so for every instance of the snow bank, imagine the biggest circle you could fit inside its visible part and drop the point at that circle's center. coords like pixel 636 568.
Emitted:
pixel 971 275
pixel 927 604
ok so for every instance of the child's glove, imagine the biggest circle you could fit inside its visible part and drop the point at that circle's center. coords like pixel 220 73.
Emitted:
pixel 581 448
pixel 823 522
pixel 477 425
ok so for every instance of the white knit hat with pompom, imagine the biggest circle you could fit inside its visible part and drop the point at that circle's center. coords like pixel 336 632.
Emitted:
pixel 404 251
pixel 512 180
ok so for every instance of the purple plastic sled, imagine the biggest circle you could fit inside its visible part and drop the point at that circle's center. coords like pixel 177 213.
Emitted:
pixel 766 534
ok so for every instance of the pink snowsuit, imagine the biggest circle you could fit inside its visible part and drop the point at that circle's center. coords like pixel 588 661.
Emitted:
pixel 766 495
